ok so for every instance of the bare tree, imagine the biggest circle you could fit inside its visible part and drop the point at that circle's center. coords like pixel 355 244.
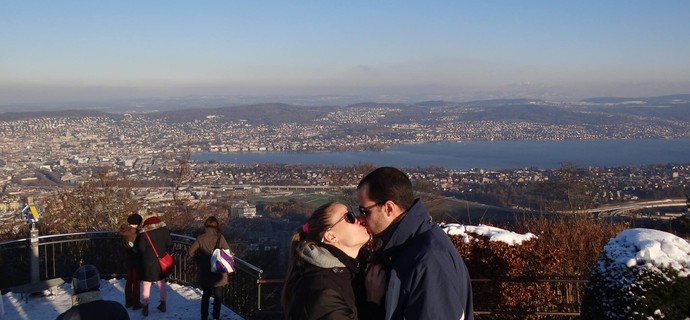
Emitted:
pixel 573 189
pixel 182 172
pixel 100 204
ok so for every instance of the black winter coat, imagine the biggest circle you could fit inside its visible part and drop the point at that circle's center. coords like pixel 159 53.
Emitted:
pixel 160 236
pixel 325 292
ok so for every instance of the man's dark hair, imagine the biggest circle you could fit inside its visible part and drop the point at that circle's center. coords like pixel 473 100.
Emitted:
pixel 388 183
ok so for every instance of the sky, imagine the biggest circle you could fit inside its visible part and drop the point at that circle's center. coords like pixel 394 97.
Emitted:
pixel 382 51
pixel 183 303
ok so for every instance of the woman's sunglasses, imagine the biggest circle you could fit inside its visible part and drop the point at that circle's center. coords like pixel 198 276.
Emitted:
pixel 349 216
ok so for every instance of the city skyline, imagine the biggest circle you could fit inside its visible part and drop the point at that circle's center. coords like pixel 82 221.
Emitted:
pixel 380 51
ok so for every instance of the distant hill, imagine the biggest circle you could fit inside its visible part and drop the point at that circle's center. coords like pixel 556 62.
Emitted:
pixel 376 105
pixel 504 102
pixel 267 114
pixel 13 116
pixel 435 103
pixel 672 107
pixel 670 99
pixel 593 111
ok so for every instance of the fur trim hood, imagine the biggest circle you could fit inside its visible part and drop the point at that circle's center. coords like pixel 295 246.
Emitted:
pixel 151 222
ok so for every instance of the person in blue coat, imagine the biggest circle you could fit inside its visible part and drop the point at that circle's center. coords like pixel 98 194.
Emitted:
pixel 427 278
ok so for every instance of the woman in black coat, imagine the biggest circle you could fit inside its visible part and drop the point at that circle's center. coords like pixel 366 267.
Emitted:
pixel 153 231
pixel 323 266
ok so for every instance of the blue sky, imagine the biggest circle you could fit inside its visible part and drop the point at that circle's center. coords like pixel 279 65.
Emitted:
pixel 370 50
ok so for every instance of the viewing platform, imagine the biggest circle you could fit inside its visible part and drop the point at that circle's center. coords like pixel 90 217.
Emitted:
pixel 57 256
pixel 42 263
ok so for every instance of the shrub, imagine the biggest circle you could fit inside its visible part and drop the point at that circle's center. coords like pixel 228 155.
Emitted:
pixel 580 238
pixel 500 261
pixel 566 248
pixel 639 276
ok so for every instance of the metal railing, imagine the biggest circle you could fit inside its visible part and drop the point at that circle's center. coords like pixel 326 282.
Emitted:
pixel 564 298
pixel 247 293
pixel 59 255
pixel 537 299
pixel 243 292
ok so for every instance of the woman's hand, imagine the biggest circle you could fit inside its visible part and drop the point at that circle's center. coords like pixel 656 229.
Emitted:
pixel 375 283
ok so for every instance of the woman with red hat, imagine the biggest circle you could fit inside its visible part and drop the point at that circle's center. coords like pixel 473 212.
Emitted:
pixel 154 237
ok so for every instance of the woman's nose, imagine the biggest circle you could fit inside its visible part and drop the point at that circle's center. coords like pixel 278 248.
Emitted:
pixel 360 220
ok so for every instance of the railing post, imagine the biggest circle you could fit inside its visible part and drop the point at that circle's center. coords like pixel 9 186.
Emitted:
pixel 258 293
pixel 33 259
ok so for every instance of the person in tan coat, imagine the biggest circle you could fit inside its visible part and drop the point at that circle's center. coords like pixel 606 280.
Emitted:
pixel 212 283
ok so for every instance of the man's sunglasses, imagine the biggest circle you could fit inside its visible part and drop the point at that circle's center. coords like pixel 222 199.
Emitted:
pixel 365 210
pixel 349 216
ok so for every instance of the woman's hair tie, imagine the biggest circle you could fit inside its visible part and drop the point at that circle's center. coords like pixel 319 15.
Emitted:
pixel 305 228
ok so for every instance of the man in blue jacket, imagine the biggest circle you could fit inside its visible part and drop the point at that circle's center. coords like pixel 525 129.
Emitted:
pixel 427 278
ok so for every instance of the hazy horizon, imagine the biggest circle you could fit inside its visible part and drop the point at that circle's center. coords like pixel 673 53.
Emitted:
pixel 383 51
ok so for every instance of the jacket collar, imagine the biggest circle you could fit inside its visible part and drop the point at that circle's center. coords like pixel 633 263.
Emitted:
pixel 415 221
pixel 349 262
pixel 326 256
pixel 86 297
pixel 212 231
pixel 318 255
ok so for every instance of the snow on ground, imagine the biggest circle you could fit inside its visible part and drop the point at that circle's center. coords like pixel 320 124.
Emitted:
pixel 648 247
pixel 183 303
pixel 492 233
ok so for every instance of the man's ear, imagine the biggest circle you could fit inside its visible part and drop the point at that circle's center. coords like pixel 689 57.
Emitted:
pixel 390 209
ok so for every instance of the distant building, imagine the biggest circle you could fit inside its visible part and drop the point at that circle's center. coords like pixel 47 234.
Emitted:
pixel 10 206
pixel 242 209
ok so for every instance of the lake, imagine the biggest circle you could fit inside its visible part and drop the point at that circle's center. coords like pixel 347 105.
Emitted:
pixel 484 154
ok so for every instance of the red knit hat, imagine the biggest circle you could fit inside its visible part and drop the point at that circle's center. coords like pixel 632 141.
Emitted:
pixel 152 220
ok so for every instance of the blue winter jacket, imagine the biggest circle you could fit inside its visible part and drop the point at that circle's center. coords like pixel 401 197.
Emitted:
pixel 427 278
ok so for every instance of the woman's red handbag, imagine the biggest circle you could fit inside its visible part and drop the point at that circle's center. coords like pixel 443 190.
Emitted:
pixel 166 262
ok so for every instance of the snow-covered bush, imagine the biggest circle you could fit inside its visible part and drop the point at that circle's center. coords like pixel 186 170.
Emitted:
pixel 493 253
pixel 640 274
